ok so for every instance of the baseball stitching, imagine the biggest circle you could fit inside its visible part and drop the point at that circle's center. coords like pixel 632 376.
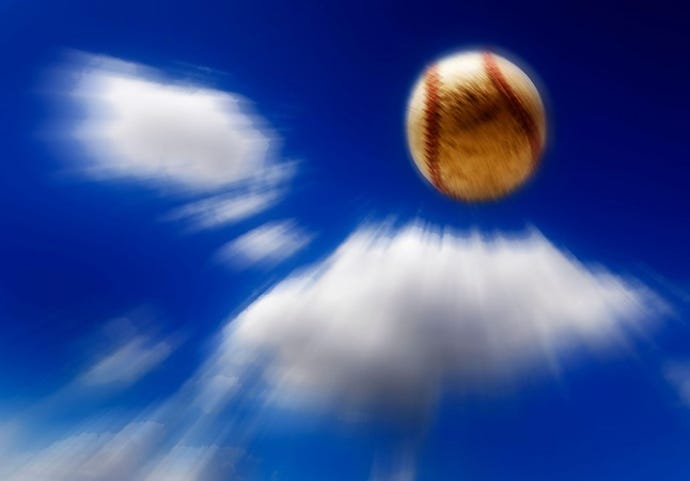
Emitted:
pixel 432 125
pixel 527 123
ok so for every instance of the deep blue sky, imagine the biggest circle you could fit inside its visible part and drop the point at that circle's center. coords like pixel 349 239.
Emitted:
pixel 332 80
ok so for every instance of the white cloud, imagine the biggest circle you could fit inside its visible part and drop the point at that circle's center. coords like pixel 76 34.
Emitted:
pixel 182 135
pixel 393 318
pixel 194 463
pixel 388 320
pixel 268 244
pixel 128 363
pixel 171 442
pixel 184 138
pixel 224 209
pixel 88 456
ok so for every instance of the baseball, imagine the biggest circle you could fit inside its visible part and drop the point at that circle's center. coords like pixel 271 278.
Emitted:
pixel 475 126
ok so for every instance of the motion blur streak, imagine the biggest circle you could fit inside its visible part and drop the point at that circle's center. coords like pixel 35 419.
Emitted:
pixel 393 318
pixel 268 244
pixel 378 330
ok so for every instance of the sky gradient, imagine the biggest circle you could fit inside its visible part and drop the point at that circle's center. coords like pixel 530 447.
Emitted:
pixel 217 260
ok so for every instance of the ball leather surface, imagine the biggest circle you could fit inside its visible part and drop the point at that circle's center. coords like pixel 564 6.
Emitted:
pixel 475 126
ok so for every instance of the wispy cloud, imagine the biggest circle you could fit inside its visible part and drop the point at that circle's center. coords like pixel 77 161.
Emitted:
pixel 127 363
pixel 88 456
pixel 194 463
pixel 677 373
pixel 173 440
pixel 268 244
pixel 224 209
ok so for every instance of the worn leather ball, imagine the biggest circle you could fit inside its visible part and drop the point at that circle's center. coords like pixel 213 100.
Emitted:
pixel 475 126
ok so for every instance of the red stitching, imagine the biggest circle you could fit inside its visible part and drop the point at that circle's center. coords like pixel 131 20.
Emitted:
pixel 527 123
pixel 432 117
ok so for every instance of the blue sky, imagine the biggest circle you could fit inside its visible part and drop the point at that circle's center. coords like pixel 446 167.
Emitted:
pixel 217 260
